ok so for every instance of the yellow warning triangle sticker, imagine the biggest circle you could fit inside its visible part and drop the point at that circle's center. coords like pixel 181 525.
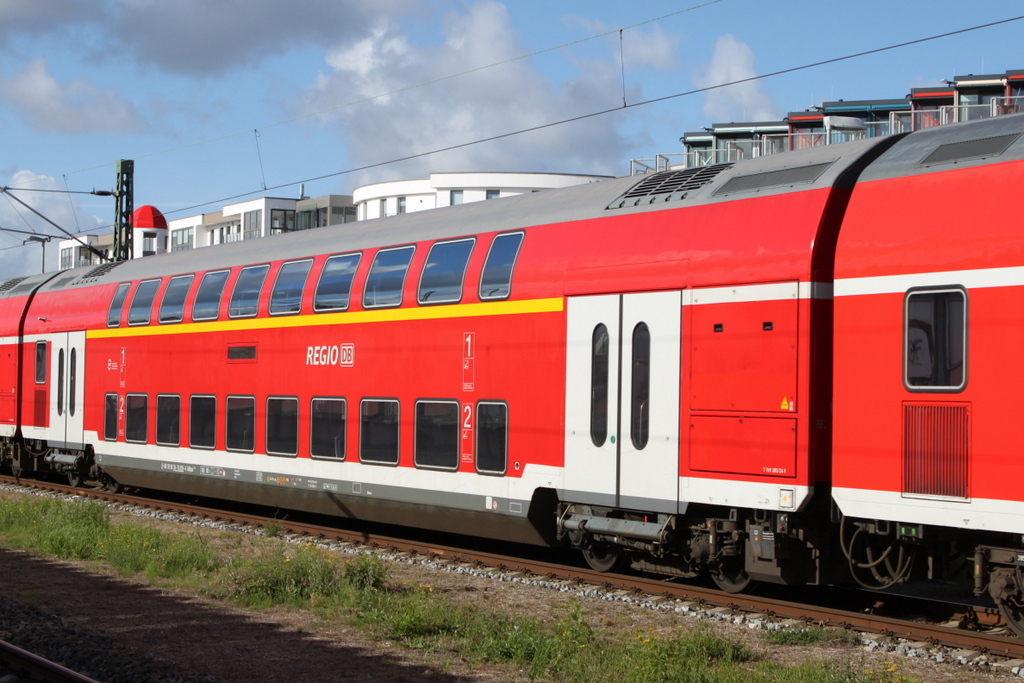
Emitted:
pixel 785 404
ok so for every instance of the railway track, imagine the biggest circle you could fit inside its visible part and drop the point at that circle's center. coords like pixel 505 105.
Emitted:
pixel 35 669
pixel 654 590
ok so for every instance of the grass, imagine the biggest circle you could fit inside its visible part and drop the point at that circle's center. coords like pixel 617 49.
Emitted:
pixel 358 590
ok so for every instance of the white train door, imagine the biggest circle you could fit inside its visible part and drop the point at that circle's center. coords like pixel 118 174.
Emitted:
pixel 67 387
pixel 622 401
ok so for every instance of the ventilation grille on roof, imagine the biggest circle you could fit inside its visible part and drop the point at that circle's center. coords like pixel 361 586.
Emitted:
pixel 63 281
pixel 761 181
pixel 21 289
pixel 970 149
pixel 10 283
pixel 101 270
pixel 668 186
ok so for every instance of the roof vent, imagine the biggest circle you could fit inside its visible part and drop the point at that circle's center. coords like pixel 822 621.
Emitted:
pixel 63 281
pixel 756 182
pixel 101 270
pixel 10 283
pixel 978 148
pixel 668 186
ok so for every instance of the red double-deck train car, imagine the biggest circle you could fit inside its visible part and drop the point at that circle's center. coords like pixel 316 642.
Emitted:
pixel 788 369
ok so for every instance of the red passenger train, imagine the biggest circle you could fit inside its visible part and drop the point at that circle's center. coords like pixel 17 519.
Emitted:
pixel 793 369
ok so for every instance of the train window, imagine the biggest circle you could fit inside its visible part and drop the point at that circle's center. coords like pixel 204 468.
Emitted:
pixel 110 417
pixel 332 291
pixel 441 281
pixel 936 340
pixel 437 435
pixel 240 424
pixel 491 437
pixel 286 297
pixel 172 308
pixel 60 382
pixel 378 432
pixel 246 296
pixel 142 302
pixel 136 418
pixel 599 385
pixel 327 428
pixel 168 420
pixel 72 380
pixel 283 426
pixel 496 279
pixel 116 304
pixel 207 304
pixel 202 422
pixel 640 393
pixel 387 278
pixel 41 358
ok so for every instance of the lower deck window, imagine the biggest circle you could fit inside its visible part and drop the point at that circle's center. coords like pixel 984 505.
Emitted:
pixel 378 432
pixel 437 434
pixel 327 428
pixel 936 340
pixel 202 427
pixel 168 420
pixel 241 423
pixel 110 417
pixel 136 422
pixel 492 438
pixel 283 426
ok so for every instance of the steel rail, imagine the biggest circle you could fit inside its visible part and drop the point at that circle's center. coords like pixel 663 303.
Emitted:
pixel 39 668
pixel 705 598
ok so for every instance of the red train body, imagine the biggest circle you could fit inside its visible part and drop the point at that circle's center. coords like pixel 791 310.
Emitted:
pixel 789 369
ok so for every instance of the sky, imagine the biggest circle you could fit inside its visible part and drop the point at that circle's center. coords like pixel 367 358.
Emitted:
pixel 234 99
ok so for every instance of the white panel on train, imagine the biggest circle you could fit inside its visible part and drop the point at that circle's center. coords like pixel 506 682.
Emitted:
pixel 67 390
pixel 622 401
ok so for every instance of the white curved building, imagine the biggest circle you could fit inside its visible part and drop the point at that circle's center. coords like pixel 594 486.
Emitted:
pixel 446 189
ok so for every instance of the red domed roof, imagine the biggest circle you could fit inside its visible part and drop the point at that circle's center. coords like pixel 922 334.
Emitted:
pixel 148 217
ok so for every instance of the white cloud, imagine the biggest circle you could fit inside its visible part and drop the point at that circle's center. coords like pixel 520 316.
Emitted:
pixel 478 105
pixel 62 209
pixel 73 107
pixel 733 61
pixel 650 48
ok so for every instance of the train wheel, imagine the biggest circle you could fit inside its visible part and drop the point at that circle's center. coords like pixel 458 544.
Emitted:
pixel 1013 612
pixel 732 577
pixel 605 559
pixel 75 479
pixel 113 486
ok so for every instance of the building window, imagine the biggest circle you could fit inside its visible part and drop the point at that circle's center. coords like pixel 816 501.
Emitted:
pixel 136 418
pixel 281 220
pixel 148 243
pixel 181 240
pixel 327 428
pixel 378 432
pixel 456 197
pixel 202 422
pixel 383 208
pixel 168 420
pixel 283 426
pixel 253 224
pixel 304 220
pixel 65 257
pixel 241 423
pixel 493 194
pixel 936 340
pixel 437 435
pixel 401 205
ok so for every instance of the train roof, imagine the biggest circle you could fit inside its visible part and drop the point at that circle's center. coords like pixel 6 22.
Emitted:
pixel 769 175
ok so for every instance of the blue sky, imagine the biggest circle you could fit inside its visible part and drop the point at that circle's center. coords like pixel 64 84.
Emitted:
pixel 180 87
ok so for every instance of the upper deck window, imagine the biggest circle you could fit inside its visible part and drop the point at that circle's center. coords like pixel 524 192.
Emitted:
pixel 172 308
pixel 332 292
pixel 936 340
pixel 496 280
pixel 117 304
pixel 142 302
pixel 286 298
pixel 246 296
pixel 207 304
pixel 441 281
pixel 387 277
